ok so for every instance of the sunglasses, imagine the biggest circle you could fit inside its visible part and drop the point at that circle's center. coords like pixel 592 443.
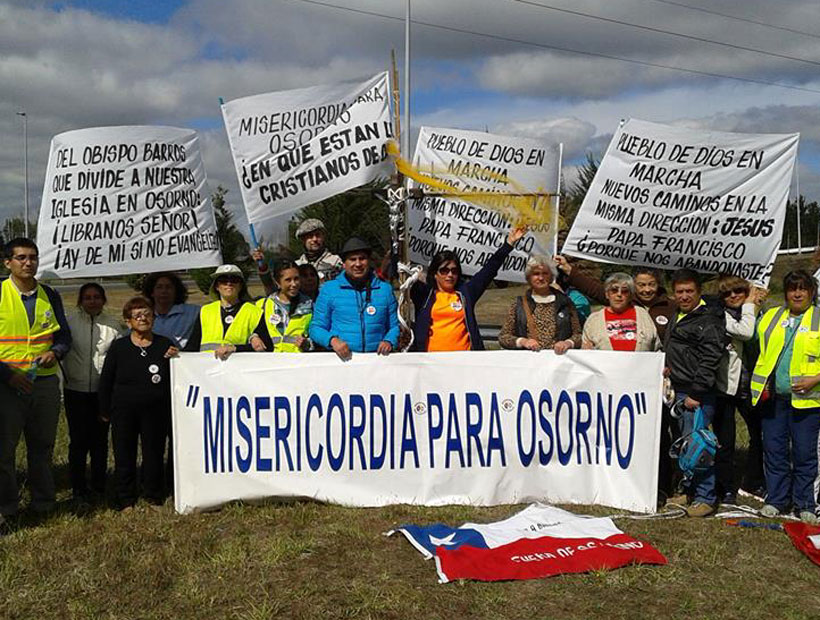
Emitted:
pixel 229 280
pixel 142 316
pixel 619 289
pixel 448 270
pixel 738 290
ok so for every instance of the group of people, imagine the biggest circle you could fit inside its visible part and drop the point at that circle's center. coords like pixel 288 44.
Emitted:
pixel 722 355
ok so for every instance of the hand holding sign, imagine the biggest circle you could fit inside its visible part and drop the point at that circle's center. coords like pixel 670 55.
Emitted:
pixel 516 234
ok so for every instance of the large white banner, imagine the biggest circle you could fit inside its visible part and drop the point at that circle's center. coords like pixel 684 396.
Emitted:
pixel 482 428
pixel 296 147
pixel 476 161
pixel 121 200
pixel 671 197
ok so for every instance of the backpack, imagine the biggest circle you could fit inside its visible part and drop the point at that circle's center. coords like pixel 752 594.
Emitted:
pixel 696 451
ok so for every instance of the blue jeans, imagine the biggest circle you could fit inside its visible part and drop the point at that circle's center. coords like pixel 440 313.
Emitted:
pixel 702 485
pixel 790 454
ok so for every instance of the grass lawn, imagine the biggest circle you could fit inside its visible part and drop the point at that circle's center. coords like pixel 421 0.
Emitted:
pixel 308 560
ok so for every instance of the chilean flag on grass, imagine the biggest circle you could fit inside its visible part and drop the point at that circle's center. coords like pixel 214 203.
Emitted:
pixel 806 538
pixel 539 541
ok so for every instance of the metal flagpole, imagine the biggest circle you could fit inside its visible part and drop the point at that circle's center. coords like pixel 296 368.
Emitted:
pixel 25 169
pixel 405 136
pixel 799 231
pixel 556 216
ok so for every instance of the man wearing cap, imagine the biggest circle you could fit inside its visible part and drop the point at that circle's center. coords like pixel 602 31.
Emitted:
pixel 34 335
pixel 313 236
pixel 357 310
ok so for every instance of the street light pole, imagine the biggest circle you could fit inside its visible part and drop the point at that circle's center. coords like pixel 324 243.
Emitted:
pixel 25 167
pixel 405 134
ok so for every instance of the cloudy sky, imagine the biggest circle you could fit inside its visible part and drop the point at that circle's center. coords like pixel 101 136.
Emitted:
pixel 560 70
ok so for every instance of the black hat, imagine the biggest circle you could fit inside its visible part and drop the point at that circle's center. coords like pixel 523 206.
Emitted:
pixel 355 244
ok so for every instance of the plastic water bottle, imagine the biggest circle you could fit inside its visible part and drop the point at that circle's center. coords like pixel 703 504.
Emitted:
pixel 31 373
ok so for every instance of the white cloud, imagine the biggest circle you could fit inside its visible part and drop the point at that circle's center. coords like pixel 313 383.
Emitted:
pixel 574 133
pixel 72 68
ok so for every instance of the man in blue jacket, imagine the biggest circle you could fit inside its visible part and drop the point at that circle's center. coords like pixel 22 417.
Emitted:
pixel 357 311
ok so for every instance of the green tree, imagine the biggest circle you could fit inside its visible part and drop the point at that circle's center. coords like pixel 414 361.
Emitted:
pixel 16 227
pixel 355 213
pixel 577 192
pixel 235 248
pixel 809 224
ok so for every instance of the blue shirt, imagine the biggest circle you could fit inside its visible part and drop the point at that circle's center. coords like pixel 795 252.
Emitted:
pixel 782 380
pixel 581 304
pixel 177 324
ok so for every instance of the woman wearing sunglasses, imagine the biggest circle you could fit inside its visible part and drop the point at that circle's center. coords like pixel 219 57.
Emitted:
pixel 741 301
pixel 445 304
pixel 621 325
pixel 226 325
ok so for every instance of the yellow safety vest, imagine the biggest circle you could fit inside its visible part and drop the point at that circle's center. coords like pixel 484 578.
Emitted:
pixel 297 326
pixel 21 343
pixel 238 332
pixel 771 333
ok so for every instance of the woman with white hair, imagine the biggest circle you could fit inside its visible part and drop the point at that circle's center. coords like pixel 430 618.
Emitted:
pixel 542 318
pixel 621 325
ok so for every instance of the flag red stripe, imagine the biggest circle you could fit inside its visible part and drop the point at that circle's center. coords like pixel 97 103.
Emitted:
pixel 531 558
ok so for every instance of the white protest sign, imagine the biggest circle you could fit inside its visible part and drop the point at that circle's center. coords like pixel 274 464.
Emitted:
pixel 296 147
pixel 479 428
pixel 476 161
pixel 120 200
pixel 670 197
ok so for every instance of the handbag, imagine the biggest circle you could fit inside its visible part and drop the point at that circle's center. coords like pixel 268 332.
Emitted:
pixel 696 451
pixel 532 330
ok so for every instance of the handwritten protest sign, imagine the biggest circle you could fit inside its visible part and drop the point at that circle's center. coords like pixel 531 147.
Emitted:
pixel 296 147
pixel 476 161
pixel 671 197
pixel 121 200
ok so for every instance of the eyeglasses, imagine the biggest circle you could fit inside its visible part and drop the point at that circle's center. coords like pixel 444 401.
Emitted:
pixel 619 289
pixel 738 290
pixel 229 280
pixel 448 270
pixel 22 258
pixel 145 315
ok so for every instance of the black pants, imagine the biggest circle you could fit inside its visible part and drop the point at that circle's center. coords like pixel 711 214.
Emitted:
pixel 725 431
pixel 668 473
pixel 87 436
pixel 148 425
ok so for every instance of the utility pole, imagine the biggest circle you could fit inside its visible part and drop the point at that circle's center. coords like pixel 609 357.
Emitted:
pixel 25 169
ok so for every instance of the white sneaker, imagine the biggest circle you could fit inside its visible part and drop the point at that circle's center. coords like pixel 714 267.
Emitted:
pixel 769 511
pixel 807 516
